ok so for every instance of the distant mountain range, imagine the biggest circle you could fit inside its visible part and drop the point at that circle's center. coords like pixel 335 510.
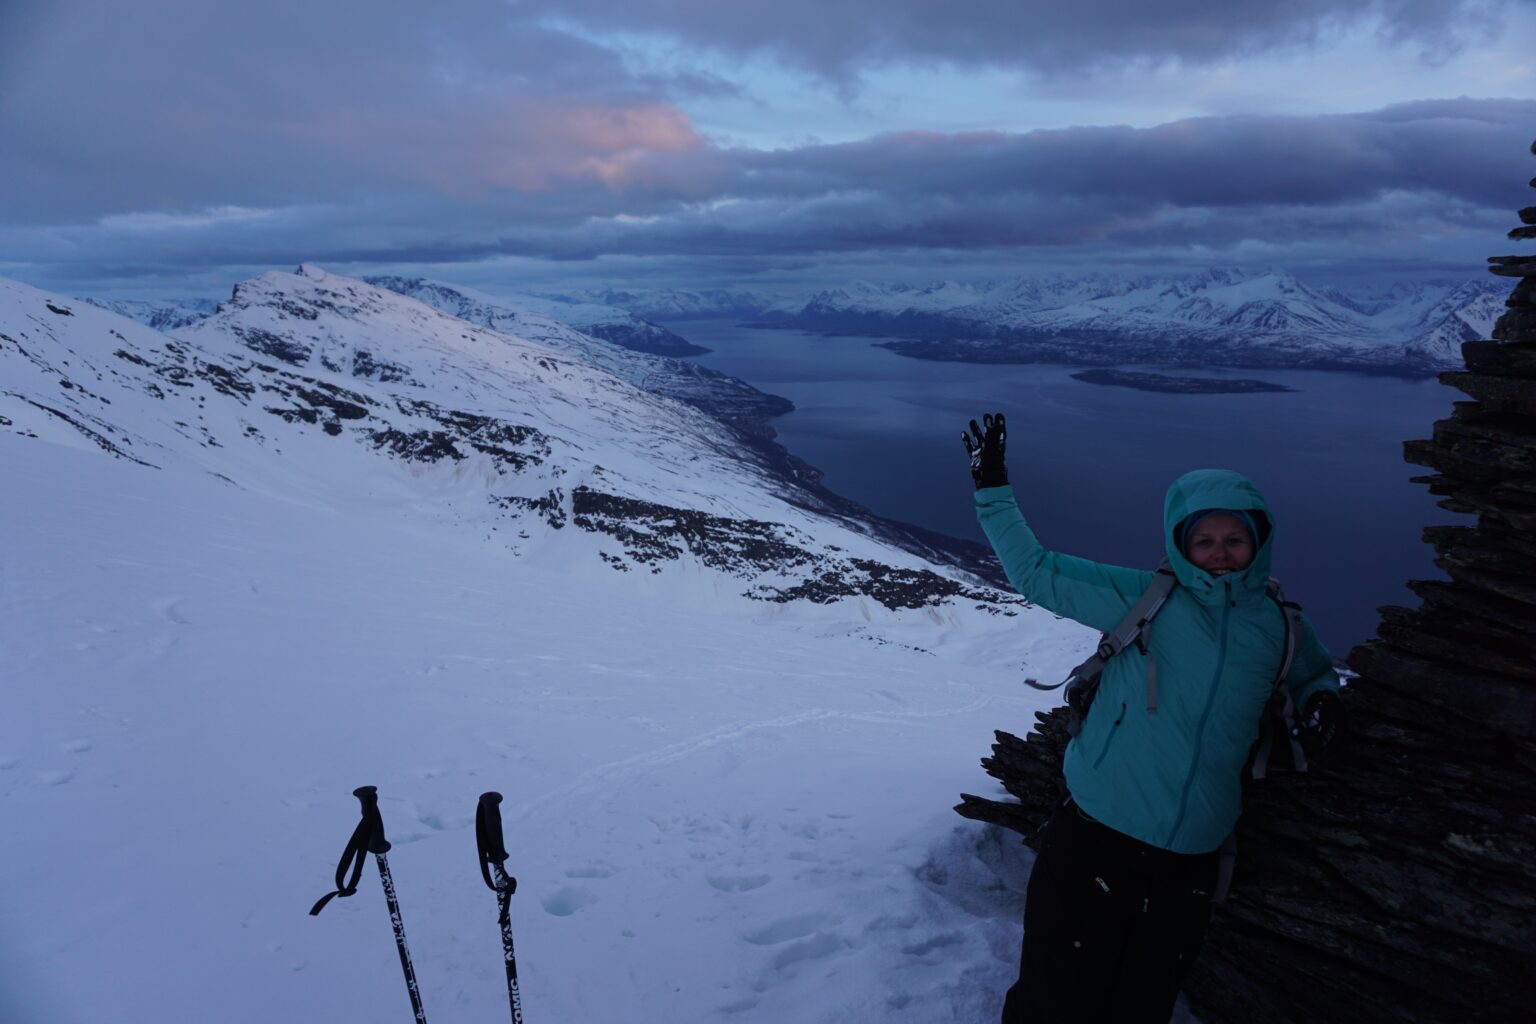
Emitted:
pixel 1230 318
pixel 679 303
pixel 162 316
pixel 1215 318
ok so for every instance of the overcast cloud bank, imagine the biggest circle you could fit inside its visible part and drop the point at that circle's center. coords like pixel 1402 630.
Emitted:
pixel 154 142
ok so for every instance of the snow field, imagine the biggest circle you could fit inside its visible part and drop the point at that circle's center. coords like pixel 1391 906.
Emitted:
pixel 717 810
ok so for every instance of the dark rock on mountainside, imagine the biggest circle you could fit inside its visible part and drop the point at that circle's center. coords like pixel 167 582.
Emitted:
pixel 650 338
pixel 1397 884
pixel 651 534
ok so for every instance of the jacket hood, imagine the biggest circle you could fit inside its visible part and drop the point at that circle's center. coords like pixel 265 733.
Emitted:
pixel 1201 490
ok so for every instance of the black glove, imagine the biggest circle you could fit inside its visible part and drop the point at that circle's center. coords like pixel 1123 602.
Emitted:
pixel 1321 724
pixel 986 451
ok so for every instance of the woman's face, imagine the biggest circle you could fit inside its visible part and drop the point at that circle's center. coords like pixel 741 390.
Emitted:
pixel 1220 544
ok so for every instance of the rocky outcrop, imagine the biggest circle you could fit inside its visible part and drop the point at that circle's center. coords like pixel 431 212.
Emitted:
pixel 1397 884
pixel 784 563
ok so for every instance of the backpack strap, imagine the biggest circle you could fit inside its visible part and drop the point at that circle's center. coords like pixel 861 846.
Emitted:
pixel 1280 695
pixel 1125 634
pixel 1085 677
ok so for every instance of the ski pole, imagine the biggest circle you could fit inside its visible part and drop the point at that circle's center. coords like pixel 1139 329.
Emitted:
pixel 368 838
pixel 493 858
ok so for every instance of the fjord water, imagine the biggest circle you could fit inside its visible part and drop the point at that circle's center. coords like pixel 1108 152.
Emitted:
pixel 1090 463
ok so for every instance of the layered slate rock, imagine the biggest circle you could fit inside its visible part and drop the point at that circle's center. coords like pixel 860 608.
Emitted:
pixel 1397 884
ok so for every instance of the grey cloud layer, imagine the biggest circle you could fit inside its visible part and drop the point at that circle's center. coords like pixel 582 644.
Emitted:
pixel 1409 174
pixel 107 107
pixel 1456 147
pixel 359 130
pixel 839 39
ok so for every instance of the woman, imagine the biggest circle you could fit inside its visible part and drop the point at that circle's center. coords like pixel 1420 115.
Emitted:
pixel 1120 893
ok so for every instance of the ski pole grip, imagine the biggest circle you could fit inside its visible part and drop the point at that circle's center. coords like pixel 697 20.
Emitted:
pixel 488 822
pixel 368 796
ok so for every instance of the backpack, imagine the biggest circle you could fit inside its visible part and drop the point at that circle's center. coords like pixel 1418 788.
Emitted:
pixel 1082 683
pixel 1279 716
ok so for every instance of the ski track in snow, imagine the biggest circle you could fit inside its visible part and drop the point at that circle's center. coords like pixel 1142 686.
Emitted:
pixel 725 734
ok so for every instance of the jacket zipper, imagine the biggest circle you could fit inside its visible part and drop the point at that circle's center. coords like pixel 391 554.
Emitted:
pixel 1210 702
pixel 1110 738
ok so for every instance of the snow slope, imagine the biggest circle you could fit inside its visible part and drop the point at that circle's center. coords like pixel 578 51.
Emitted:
pixel 223 609
pixel 596 319
pixel 547 321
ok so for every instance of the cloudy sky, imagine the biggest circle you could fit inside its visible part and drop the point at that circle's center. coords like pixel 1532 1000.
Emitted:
pixel 169 147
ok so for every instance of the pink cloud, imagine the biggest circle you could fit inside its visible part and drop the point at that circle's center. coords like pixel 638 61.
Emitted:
pixel 531 146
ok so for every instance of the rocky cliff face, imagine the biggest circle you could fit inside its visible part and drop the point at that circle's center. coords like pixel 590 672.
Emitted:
pixel 1398 883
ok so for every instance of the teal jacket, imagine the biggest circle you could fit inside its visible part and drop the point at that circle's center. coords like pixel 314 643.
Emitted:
pixel 1174 778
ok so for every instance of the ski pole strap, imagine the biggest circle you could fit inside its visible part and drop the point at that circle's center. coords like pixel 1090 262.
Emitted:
pixel 1038 685
pixel 493 850
pixel 367 838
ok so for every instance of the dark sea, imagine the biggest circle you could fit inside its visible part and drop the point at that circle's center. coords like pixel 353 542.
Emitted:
pixel 1090 463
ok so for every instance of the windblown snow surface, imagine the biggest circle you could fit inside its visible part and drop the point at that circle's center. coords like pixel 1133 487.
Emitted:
pixel 218 620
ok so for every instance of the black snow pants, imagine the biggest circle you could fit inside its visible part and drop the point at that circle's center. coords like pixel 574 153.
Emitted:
pixel 1111 926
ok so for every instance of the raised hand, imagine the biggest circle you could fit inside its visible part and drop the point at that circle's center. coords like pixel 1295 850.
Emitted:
pixel 985 444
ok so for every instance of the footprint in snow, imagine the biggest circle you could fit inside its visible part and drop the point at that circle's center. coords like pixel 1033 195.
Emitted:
pixel 817 947
pixel 592 871
pixel 170 608
pixel 565 902
pixel 740 1005
pixel 55 778
pixel 940 941
pixel 786 928
pixel 739 883
pixel 8 761
pixel 444 822
pixel 75 746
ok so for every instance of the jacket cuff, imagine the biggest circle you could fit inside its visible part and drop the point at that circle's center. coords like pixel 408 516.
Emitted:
pixel 1328 682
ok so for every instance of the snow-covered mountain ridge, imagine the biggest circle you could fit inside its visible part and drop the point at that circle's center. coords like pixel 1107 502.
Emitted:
pixel 596 319
pixel 298 376
pixel 1214 318
pixel 679 303
pixel 1217 317
pixel 162 316
pixel 548 322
